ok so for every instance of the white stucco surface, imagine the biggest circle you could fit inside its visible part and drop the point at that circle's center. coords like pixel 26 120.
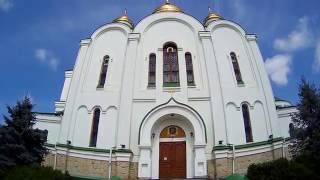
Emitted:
pixel 131 112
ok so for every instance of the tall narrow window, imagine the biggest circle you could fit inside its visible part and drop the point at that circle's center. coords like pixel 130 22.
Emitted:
pixel 152 70
pixel 189 68
pixel 94 128
pixel 170 65
pixel 247 123
pixel 103 73
pixel 236 67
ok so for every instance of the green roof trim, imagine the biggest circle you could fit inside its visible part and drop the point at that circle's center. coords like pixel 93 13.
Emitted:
pixel 89 149
pixel 250 145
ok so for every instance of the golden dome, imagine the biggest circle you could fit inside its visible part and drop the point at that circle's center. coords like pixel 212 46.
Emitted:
pixel 125 20
pixel 167 7
pixel 211 17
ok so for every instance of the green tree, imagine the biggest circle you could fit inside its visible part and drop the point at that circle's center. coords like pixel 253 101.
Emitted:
pixel 20 143
pixel 306 131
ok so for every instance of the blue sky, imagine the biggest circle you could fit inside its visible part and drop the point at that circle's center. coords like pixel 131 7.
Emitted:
pixel 40 40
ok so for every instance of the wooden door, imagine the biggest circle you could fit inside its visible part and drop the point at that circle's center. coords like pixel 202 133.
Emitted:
pixel 172 160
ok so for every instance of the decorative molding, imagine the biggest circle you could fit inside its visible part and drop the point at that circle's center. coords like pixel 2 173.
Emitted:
pixel 144 100
pixel 175 101
pixel 249 145
pixel 90 149
pixel 205 34
pixel 68 73
pixel 199 98
pixel 251 37
pixel 134 37
pixel 85 42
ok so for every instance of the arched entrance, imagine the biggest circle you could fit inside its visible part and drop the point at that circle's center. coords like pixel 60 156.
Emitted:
pixel 172 153
pixel 172 113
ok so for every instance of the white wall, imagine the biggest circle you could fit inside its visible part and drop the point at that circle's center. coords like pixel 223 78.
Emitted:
pixel 51 123
pixel 124 103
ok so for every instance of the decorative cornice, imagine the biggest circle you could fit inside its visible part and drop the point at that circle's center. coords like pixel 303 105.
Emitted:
pixel 251 37
pixel 134 37
pixel 249 145
pixel 88 148
pixel 175 101
pixel 204 34
pixel 85 42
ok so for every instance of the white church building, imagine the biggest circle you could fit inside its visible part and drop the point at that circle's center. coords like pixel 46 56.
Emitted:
pixel 168 97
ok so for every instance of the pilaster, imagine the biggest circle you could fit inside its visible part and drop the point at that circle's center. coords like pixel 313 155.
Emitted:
pixel 127 89
pixel 216 95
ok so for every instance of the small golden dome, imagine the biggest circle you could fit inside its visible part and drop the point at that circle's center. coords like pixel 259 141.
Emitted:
pixel 167 7
pixel 211 17
pixel 125 20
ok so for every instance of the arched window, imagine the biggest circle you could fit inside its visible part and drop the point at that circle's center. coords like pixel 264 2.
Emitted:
pixel 189 68
pixel 236 67
pixel 103 73
pixel 152 70
pixel 291 129
pixel 247 123
pixel 170 65
pixel 94 128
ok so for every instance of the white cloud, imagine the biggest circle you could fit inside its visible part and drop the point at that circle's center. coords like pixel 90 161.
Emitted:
pixel 46 56
pixel 298 39
pixel 41 54
pixel 279 67
pixel 6 5
pixel 53 63
pixel 316 64
pixel 239 9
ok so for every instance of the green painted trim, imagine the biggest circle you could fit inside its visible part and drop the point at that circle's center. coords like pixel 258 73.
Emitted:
pixel 220 148
pixel 89 149
pixel 243 146
pixel 250 145
pixel 171 84
pixel 78 177
pixel 49 145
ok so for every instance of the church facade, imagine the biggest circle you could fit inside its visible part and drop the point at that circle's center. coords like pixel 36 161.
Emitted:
pixel 168 97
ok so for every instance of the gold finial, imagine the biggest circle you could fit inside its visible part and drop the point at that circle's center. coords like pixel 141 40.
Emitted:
pixel 167 7
pixel 212 16
pixel 125 19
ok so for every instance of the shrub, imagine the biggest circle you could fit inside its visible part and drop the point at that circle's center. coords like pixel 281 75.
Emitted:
pixel 35 172
pixel 280 169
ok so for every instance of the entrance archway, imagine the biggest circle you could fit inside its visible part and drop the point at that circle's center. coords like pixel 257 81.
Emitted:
pixel 149 139
pixel 172 153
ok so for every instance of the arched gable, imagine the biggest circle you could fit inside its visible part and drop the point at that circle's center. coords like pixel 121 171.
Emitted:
pixel 146 23
pixel 225 23
pixel 172 106
pixel 109 27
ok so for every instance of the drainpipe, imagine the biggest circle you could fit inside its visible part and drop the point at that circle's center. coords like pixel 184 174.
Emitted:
pixel 55 146
pixel 233 157
pixel 283 153
pixel 55 157
pixel 110 161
